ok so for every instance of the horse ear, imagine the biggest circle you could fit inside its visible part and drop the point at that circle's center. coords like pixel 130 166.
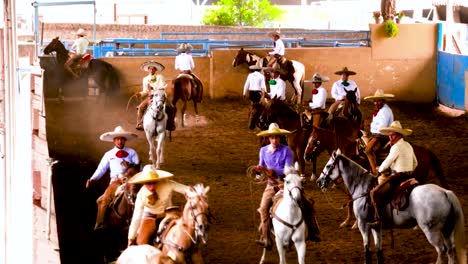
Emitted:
pixel 57 38
pixel 206 190
pixel 338 151
pixel 296 165
pixel 355 89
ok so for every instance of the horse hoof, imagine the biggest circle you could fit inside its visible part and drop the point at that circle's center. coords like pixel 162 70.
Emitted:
pixel 355 225
pixel 344 224
pixel 313 178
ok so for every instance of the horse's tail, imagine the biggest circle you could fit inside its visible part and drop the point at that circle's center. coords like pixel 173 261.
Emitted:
pixel 437 167
pixel 458 231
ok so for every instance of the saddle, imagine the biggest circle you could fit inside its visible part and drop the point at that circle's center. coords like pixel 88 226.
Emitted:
pixel 400 197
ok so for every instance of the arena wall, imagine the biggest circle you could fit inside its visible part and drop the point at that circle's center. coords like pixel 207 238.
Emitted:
pixel 404 65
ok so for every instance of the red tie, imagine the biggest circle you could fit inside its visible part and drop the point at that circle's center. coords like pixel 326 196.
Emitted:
pixel 121 154
pixel 376 111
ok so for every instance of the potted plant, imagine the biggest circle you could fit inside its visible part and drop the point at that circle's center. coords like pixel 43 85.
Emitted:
pixel 399 16
pixel 391 28
pixel 376 15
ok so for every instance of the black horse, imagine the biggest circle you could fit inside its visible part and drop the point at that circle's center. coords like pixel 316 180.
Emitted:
pixel 104 75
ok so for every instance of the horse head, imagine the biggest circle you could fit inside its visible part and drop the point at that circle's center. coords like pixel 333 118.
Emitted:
pixel 293 184
pixel 320 139
pixel 52 46
pixel 241 57
pixel 157 104
pixel 330 172
pixel 196 212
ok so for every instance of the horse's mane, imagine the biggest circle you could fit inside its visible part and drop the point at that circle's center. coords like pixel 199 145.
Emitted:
pixel 355 164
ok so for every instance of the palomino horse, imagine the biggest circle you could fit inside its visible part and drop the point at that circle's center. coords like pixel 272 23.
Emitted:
pixel 181 241
pixel 295 71
pixel 429 167
pixel 287 218
pixel 182 89
pixel 435 210
pixel 154 123
pixel 276 111
pixel 104 75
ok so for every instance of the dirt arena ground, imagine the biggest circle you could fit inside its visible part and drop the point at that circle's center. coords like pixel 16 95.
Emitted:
pixel 216 152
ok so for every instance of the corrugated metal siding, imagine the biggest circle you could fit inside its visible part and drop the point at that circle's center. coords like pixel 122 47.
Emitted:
pixel 451 79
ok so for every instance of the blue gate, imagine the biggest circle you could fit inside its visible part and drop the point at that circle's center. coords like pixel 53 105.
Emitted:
pixel 451 79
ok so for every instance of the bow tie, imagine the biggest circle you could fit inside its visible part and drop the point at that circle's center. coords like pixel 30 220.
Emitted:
pixel 345 83
pixel 121 154
pixel 376 111
pixel 315 91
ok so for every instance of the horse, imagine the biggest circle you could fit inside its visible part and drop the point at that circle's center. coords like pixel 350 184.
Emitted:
pixel 154 124
pixel 429 166
pixel 104 74
pixel 278 112
pixel 182 239
pixel 182 90
pixel 288 221
pixel 120 214
pixel 295 71
pixel 255 111
pixel 435 210
pixel 143 254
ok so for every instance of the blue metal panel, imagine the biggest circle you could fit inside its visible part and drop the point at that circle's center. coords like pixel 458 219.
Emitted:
pixel 451 79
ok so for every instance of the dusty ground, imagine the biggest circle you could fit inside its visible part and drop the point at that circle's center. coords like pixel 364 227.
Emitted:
pixel 217 152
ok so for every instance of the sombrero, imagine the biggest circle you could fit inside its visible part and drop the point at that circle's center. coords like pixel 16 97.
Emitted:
pixel 379 94
pixel 318 78
pixel 118 132
pixel 273 129
pixel 345 70
pixel 149 174
pixel 184 47
pixel 395 127
pixel 159 67
pixel 81 32
pixel 255 67
pixel 273 33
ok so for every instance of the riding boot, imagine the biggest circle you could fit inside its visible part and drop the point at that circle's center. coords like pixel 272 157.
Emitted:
pixel 101 212
pixel 265 239
pixel 139 124
pixel 376 196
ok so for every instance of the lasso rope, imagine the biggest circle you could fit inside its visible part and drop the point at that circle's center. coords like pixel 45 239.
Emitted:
pixel 129 100
pixel 330 200
pixel 252 175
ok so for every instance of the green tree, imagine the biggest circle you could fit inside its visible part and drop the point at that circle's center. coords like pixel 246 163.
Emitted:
pixel 242 13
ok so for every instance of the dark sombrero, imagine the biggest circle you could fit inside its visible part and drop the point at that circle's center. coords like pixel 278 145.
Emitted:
pixel 145 66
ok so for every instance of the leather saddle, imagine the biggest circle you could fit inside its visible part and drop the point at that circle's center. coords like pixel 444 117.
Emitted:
pixel 400 197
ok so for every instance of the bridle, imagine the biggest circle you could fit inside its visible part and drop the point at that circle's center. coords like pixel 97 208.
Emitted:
pixel 158 113
pixel 292 226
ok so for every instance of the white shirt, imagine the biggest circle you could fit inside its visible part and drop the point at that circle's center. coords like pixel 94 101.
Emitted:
pixel 279 48
pixel 338 90
pixel 278 89
pixel 164 189
pixel 151 82
pixel 114 163
pixel 255 82
pixel 184 62
pixel 319 99
pixel 384 118
pixel 80 45
pixel 401 158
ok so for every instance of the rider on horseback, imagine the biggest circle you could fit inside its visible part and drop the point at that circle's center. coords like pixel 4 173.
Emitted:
pixel 118 159
pixel 153 81
pixel 402 162
pixel 278 49
pixel 184 64
pixel 319 99
pixel 340 87
pixel 276 156
pixel 78 49
pixel 152 202
pixel 382 117
pixel 277 85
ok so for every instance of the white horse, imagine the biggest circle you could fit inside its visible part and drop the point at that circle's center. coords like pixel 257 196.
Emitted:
pixel 296 78
pixel 435 210
pixel 288 222
pixel 154 123
pixel 142 254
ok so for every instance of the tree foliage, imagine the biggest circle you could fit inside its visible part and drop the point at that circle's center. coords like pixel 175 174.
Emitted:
pixel 242 13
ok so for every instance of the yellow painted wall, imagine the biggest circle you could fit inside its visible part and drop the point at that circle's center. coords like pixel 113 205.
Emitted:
pixel 404 65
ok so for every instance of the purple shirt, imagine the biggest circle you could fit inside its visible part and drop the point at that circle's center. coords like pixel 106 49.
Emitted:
pixel 276 160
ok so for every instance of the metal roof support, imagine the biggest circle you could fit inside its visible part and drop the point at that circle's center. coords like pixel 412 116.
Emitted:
pixel 36 6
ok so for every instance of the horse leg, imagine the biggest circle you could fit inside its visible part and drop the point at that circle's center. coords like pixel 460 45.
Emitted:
pixel 160 149
pixel 378 245
pixel 365 233
pixel 184 107
pixel 152 151
pixel 313 176
pixel 197 117
pixel 436 239
pixel 262 260
pixel 301 251
pixel 281 249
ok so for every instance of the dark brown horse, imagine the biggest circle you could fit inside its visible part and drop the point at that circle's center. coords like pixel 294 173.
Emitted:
pixel 294 70
pixel 255 111
pixel 103 74
pixel 429 168
pixel 182 90
pixel 276 111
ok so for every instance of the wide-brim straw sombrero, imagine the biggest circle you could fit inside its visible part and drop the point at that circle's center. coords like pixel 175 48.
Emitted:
pixel 379 94
pixel 118 132
pixel 397 128
pixel 318 78
pixel 345 70
pixel 273 33
pixel 184 47
pixel 273 129
pixel 81 32
pixel 159 67
pixel 149 174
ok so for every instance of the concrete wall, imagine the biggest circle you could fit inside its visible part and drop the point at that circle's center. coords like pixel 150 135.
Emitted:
pixel 404 65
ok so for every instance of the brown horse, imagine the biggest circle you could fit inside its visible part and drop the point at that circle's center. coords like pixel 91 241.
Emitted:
pixel 255 111
pixel 294 71
pixel 429 167
pixel 182 89
pixel 182 240
pixel 276 111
